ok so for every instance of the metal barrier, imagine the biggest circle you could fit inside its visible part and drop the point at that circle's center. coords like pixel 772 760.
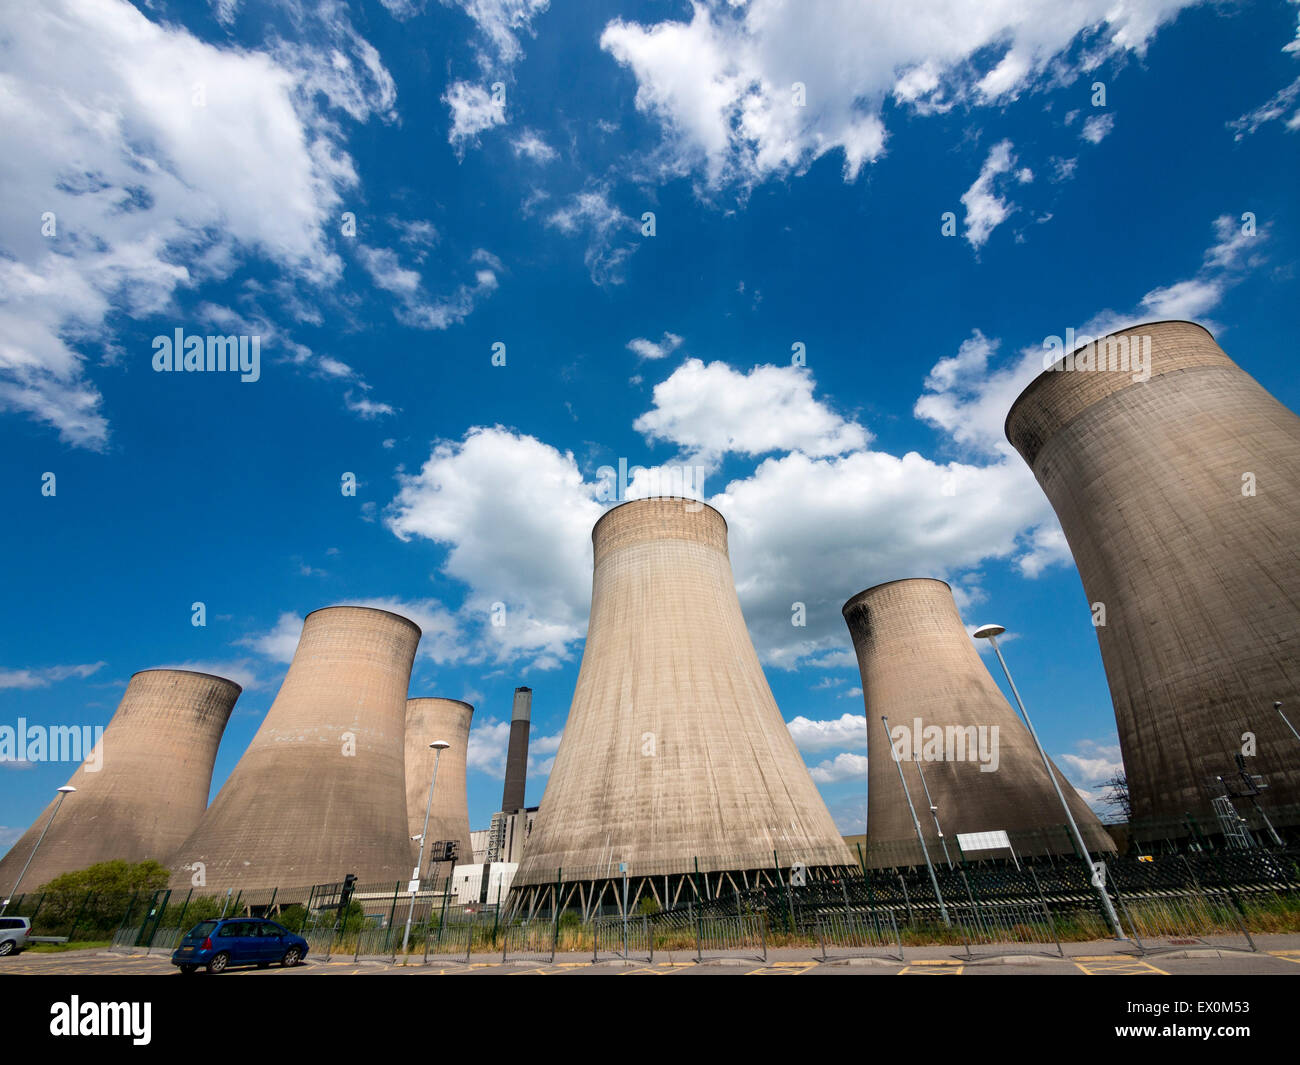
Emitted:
pixel 530 940
pixel 1000 924
pixel 1161 923
pixel 731 935
pixel 858 933
pixel 378 943
pixel 619 938
pixel 452 939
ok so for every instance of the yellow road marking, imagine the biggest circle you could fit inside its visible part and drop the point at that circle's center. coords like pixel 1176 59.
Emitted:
pixel 1110 965
pixel 1287 955
pixel 783 968
pixel 932 967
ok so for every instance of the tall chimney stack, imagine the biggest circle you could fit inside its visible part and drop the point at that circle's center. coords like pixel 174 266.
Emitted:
pixel 512 796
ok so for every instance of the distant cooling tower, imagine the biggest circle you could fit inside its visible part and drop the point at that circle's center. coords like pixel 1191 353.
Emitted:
pixel 674 747
pixel 512 795
pixel 919 665
pixel 320 792
pixel 428 720
pixel 1180 499
pixel 155 760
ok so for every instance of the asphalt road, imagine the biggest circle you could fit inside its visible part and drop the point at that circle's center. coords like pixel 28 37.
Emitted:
pixel 1280 958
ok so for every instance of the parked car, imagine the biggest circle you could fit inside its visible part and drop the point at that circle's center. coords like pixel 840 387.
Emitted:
pixel 217 945
pixel 13 934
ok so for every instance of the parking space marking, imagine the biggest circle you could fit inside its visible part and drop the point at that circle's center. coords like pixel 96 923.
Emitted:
pixel 932 967
pixel 1116 965
pixel 783 968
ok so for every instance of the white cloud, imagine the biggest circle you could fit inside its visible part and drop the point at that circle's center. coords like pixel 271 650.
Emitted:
pixel 842 767
pixel 848 730
pixel 1095 763
pixel 649 349
pixel 607 229
pixel 817 530
pixel 1097 127
pixel 489 742
pixel 415 307
pixel 473 110
pixel 969 399
pixel 711 410
pixel 516 516
pixel 43 677
pixel 530 144
pixel 985 209
pixel 280 642
pixel 501 22
pixel 721 86
pixel 164 161
pixel 1278 105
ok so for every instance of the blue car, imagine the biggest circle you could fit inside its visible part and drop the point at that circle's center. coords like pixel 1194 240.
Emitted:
pixel 217 945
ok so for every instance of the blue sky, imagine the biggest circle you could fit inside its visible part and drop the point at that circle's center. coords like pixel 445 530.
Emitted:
pixel 498 157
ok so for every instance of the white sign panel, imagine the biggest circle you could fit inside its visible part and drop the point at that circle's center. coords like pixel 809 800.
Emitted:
pixel 983 841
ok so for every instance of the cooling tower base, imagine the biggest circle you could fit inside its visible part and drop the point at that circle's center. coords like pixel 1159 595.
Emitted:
pixel 602 895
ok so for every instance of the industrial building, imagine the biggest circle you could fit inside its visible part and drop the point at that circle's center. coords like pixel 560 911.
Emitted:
pixel 674 750
pixel 1178 488
pixel 320 792
pixel 154 761
pixel 428 720
pixel 970 763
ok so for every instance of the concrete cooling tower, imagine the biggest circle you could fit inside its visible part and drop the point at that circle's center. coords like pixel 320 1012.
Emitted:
pixel 321 791
pixel 674 747
pixel 952 725
pixel 428 720
pixel 155 763
pixel 1180 499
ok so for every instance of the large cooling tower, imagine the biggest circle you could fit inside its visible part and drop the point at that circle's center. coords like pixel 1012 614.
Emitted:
pixel 428 720
pixel 674 747
pixel 321 790
pixel 1180 499
pixel 155 767
pixel 512 793
pixel 919 665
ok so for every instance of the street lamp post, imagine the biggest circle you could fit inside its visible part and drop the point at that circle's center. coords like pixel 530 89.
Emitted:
pixel 64 792
pixel 437 746
pixel 1278 708
pixel 991 633
pixel 925 851
pixel 934 812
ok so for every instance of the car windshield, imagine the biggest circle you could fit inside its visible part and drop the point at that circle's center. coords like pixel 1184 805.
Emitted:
pixel 201 930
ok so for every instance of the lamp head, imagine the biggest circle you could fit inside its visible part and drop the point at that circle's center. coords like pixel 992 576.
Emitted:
pixel 986 631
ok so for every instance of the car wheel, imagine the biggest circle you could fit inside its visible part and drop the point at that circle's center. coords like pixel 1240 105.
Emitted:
pixel 7 947
pixel 219 963
pixel 291 957
pixel 186 970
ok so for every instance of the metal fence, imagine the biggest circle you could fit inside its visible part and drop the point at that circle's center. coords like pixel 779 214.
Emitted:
pixel 616 937
pixel 529 941
pixel 858 933
pixel 1221 897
